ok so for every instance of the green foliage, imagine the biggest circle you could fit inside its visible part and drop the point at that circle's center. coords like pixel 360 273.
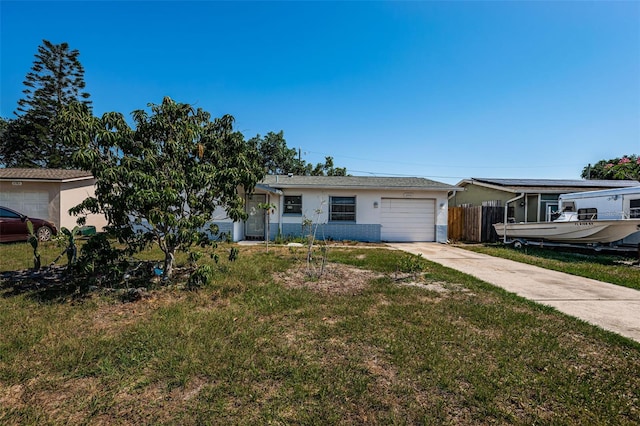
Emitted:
pixel 162 180
pixel 625 167
pixel 328 169
pixel 100 262
pixel 33 138
pixel 68 239
pixel 233 254
pixel 202 276
pixel 411 264
pixel 34 241
pixel 278 158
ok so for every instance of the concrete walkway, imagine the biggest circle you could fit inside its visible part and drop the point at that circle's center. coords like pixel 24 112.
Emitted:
pixel 609 306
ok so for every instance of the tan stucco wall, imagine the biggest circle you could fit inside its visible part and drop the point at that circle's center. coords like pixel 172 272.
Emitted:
pixel 72 194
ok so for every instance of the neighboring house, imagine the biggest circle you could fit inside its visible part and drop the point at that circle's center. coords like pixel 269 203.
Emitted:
pixel 528 200
pixel 354 208
pixel 48 194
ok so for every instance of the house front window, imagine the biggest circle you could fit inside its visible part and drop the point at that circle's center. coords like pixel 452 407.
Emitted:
pixel 292 204
pixel 342 209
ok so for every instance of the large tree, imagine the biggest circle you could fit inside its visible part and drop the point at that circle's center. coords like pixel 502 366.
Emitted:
pixel 55 81
pixel 278 158
pixel 328 169
pixel 625 167
pixel 162 180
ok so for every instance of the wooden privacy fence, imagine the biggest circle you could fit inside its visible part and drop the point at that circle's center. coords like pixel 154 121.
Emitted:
pixel 474 224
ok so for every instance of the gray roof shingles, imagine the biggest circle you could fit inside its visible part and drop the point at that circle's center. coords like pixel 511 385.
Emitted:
pixel 43 174
pixel 364 182
pixel 559 183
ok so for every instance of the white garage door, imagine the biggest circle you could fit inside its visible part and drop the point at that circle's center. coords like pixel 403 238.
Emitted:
pixel 32 203
pixel 408 219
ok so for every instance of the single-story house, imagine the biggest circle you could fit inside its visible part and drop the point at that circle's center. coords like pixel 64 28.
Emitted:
pixel 354 208
pixel 528 200
pixel 48 194
pixel 357 208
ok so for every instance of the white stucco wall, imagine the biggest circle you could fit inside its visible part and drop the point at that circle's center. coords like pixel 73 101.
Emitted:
pixel 318 199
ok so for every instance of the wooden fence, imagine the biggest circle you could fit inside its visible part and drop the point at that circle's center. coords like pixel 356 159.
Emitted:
pixel 474 224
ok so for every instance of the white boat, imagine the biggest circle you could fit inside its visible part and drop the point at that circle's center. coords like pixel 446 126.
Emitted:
pixel 568 228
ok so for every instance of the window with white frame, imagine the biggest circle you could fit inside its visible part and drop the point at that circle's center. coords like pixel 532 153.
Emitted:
pixel 292 204
pixel 342 209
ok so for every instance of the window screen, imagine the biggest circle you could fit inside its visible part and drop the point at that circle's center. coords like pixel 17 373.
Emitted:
pixel 343 209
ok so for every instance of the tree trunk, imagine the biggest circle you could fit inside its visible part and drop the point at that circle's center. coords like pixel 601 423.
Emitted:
pixel 169 258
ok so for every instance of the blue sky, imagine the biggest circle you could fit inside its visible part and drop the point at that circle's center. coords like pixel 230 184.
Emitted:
pixel 444 90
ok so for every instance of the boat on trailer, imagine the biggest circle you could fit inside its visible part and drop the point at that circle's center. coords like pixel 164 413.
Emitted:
pixel 569 229
pixel 598 219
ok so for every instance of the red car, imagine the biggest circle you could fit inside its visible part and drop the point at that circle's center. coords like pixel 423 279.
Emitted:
pixel 13 226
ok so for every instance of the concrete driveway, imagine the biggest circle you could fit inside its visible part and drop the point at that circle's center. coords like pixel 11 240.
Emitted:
pixel 609 306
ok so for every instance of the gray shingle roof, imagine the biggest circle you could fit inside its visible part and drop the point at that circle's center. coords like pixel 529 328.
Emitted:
pixel 43 174
pixel 578 183
pixel 354 182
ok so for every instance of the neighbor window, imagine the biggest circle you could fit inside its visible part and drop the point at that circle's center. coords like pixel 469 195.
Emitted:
pixel 634 211
pixel 342 209
pixel 293 204
pixel 587 214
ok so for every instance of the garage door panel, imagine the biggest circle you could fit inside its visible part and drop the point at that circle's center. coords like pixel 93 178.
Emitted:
pixel 407 219
pixel 30 203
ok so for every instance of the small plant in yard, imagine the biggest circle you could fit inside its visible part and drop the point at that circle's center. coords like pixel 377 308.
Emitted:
pixel 68 239
pixel 315 267
pixel 33 240
pixel 268 209
pixel 233 254
pixel 410 264
pixel 200 277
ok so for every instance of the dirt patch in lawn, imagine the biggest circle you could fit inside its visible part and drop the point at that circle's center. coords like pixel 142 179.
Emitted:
pixel 338 279
pixel 335 279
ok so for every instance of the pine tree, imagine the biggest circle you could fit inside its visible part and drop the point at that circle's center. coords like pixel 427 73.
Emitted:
pixel 56 80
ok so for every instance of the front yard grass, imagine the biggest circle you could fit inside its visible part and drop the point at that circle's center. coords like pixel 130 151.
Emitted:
pixel 249 349
pixel 614 269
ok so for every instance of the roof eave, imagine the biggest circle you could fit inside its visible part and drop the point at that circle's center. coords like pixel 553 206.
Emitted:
pixel 372 187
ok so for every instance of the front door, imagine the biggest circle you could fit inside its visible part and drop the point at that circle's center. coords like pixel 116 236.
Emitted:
pixel 254 226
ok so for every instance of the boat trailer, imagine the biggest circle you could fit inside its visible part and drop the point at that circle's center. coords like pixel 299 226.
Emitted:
pixel 518 243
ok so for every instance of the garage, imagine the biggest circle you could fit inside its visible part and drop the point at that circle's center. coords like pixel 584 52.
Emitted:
pixel 48 194
pixel 30 203
pixel 405 220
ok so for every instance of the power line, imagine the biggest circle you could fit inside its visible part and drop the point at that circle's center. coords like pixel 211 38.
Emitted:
pixel 386 161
